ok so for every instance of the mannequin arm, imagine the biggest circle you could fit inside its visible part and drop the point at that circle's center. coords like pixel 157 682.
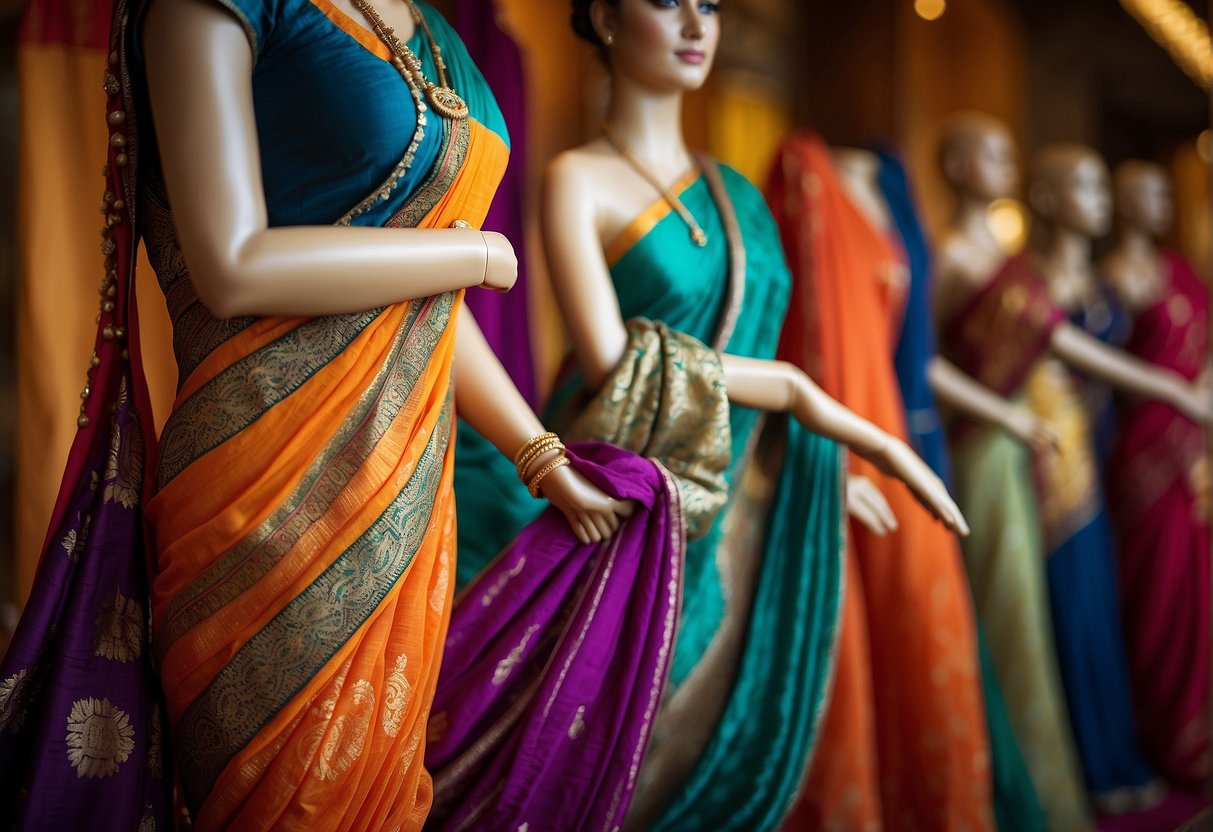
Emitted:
pixel 1130 374
pixel 489 402
pixel 781 387
pixel 961 392
pixel 200 69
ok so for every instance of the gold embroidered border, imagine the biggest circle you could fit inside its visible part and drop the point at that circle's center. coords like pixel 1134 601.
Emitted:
pixel 273 666
pixel 249 561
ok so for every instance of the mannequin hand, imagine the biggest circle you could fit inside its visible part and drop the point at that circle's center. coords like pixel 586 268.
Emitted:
pixel 1033 431
pixel 897 460
pixel 866 504
pixel 592 515
pixel 1195 401
pixel 502 268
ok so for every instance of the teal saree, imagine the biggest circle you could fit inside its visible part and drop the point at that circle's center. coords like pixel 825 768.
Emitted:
pixel 762 588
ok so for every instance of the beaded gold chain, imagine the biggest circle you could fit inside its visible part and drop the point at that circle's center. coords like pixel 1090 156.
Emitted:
pixel 445 101
pixel 697 233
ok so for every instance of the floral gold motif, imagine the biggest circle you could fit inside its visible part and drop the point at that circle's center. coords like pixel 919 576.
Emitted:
pixel 124 464
pixel 119 630
pixel 12 712
pixel 345 738
pixel 99 737
pixel 397 693
pixel 507 665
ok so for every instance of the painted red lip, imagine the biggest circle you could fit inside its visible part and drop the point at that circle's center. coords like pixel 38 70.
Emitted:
pixel 691 56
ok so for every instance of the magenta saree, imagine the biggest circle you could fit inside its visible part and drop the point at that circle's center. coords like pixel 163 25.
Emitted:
pixel 1158 496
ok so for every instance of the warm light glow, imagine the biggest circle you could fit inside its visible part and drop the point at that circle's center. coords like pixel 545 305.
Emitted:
pixel 1204 146
pixel 1008 221
pixel 1177 29
pixel 930 9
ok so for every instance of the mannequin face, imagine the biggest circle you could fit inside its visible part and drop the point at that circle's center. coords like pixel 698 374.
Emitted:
pixel 667 45
pixel 1146 202
pixel 1084 198
pixel 991 166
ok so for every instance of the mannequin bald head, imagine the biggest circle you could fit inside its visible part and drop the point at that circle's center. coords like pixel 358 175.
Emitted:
pixel 1143 197
pixel 978 157
pixel 1068 189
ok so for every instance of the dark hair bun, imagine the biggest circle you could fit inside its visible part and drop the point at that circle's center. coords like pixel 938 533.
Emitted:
pixel 582 26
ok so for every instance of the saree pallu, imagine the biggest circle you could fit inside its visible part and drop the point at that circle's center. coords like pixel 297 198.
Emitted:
pixel 911 605
pixel 1014 317
pixel 558 652
pixel 761 584
pixel 1016 806
pixel 1160 504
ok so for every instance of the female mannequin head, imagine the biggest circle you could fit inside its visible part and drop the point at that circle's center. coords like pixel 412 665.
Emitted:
pixel 665 45
pixel 1143 197
pixel 1070 190
pixel 978 157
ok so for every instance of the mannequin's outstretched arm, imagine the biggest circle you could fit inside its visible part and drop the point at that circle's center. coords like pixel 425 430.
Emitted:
pixel 590 309
pixel 1130 374
pixel 489 402
pixel 200 67
pixel 960 391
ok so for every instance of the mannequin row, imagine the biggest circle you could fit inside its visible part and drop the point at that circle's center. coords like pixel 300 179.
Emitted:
pixel 651 610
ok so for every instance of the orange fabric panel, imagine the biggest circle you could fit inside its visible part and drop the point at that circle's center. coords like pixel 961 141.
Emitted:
pixel 844 319
pixel 62 148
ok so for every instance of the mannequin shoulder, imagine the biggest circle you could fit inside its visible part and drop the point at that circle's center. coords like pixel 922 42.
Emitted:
pixel 959 262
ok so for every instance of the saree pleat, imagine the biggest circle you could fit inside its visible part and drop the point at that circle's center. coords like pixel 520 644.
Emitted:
pixel 932 747
pixel 762 583
pixel 1159 506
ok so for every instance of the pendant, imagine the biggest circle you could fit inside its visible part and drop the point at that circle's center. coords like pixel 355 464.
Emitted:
pixel 699 236
pixel 446 102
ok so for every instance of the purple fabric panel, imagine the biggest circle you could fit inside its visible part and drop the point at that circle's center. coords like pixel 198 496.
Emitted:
pixel 555 661
pixel 504 318
pixel 78 676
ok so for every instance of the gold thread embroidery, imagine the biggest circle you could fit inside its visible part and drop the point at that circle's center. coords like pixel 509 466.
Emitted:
pixel 155 745
pixel 118 632
pixel 492 592
pixel 578 726
pixel 148 824
pixel 507 665
pixel 12 711
pixel 345 738
pixel 124 464
pixel 99 737
pixel 397 693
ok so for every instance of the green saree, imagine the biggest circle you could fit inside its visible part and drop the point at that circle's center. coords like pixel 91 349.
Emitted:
pixel 762 581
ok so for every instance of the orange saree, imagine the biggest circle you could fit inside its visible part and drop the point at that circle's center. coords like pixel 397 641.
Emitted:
pixel 908 651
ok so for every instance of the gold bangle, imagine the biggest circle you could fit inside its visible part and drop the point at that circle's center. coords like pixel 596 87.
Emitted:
pixel 532 441
pixel 485 276
pixel 558 462
pixel 537 452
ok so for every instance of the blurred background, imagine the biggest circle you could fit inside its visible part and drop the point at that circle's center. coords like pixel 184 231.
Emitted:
pixel 1130 78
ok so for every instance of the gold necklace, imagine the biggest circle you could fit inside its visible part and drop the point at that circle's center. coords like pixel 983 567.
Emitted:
pixel 444 100
pixel 698 235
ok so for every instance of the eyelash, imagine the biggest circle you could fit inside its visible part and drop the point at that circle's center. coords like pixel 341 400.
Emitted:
pixel 704 8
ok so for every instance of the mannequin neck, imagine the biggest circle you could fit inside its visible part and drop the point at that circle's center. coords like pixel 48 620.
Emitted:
pixel 971 219
pixel 1066 251
pixel 859 171
pixel 1134 241
pixel 648 122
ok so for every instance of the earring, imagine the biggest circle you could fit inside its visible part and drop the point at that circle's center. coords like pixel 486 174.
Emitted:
pixel 609 39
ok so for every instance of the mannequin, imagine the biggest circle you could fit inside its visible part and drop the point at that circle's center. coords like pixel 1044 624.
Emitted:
pixel 620 245
pixel 908 658
pixel 878 186
pixel 1004 556
pixel 1158 485
pixel 302 511
pixel 1013 307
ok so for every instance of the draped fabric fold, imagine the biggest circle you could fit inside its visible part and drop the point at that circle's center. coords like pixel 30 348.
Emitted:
pixel 761 582
pixel 909 614
pixel 1158 484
